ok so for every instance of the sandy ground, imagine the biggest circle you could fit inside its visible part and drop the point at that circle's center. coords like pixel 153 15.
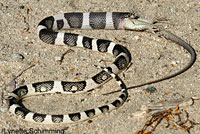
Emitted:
pixel 18 24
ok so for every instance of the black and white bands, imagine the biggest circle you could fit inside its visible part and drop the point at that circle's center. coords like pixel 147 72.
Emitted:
pixel 47 33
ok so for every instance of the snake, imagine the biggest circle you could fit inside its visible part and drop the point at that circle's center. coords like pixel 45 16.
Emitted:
pixel 48 32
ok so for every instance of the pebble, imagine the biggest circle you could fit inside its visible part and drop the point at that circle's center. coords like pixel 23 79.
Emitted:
pixel 58 58
pixel 22 7
pixel 136 37
pixel 17 57
pixel 173 63
pixel 2 46
pixel 150 89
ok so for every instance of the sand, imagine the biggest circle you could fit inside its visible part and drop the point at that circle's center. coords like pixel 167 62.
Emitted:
pixel 153 58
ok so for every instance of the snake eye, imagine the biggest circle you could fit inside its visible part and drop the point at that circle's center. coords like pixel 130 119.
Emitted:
pixel 131 15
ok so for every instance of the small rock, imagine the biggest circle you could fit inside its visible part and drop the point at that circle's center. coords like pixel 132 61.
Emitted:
pixel 150 89
pixel 17 57
pixel 136 37
pixel 22 7
pixel 173 63
pixel 3 46
pixel 58 58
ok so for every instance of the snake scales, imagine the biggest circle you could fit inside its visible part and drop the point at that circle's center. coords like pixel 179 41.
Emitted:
pixel 95 20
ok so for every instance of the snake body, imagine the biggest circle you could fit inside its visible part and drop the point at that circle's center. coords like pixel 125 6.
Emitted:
pixel 47 33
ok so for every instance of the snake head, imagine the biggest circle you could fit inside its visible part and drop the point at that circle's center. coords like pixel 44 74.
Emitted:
pixel 139 24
